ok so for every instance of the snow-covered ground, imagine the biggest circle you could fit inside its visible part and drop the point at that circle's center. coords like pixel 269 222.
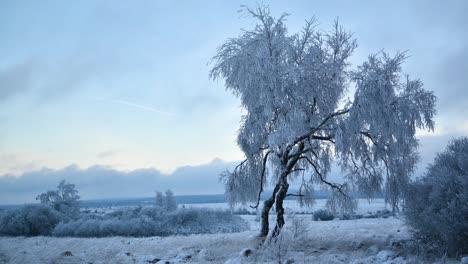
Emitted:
pixel 375 240
pixel 364 206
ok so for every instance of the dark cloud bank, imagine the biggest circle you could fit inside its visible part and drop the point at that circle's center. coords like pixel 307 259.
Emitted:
pixel 99 182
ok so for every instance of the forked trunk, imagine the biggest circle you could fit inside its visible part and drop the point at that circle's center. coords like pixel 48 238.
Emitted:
pixel 279 207
pixel 277 198
pixel 266 212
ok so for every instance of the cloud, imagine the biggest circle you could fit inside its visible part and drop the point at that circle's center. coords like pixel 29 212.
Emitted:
pixel 430 146
pixel 99 182
pixel 66 75
pixel 453 79
pixel 14 164
pixel 107 154
pixel 16 79
pixel 46 80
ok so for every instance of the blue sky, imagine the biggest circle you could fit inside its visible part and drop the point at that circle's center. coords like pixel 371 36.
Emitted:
pixel 125 84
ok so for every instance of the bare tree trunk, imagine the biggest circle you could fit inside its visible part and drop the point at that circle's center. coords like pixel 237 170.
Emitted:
pixel 278 196
pixel 266 212
pixel 279 206
pixel 288 165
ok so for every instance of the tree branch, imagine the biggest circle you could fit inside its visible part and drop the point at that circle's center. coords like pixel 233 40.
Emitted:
pixel 338 187
pixel 326 138
pixel 262 178
pixel 294 194
pixel 313 130
pixel 240 165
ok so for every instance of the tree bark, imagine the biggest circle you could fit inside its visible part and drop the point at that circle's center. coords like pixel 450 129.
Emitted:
pixel 288 165
pixel 266 212
pixel 278 196
pixel 279 206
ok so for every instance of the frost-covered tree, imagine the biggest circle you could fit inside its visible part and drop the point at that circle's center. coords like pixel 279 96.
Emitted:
pixel 160 199
pixel 65 199
pixel 166 201
pixel 170 203
pixel 299 120
pixel 436 206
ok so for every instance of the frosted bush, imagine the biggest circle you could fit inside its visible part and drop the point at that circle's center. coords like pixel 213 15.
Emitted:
pixel 153 221
pixel 298 226
pixel 29 220
pixel 436 206
pixel 323 215
pixel 278 249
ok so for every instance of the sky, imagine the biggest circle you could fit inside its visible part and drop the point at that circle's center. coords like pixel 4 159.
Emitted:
pixel 124 85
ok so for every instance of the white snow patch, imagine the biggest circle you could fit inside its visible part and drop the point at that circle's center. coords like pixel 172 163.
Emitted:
pixel 338 241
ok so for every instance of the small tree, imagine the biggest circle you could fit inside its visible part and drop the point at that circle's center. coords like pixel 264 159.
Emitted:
pixel 160 199
pixel 299 121
pixel 436 206
pixel 65 199
pixel 166 201
pixel 170 201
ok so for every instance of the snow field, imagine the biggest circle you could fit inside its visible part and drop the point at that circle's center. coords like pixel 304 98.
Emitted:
pixel 338 241
pixel 364 206
pixel 376 240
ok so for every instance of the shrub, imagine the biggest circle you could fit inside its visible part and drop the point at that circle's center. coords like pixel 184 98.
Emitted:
pixel 323 215
pixel 436 206
pixel 199 221
pixel 243 211
pixel 152 221
pixel 347 216
pixel 29 220
pixel 298 227
pixel 278 249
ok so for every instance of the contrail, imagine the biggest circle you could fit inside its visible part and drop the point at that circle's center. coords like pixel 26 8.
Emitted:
pixel 147 108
